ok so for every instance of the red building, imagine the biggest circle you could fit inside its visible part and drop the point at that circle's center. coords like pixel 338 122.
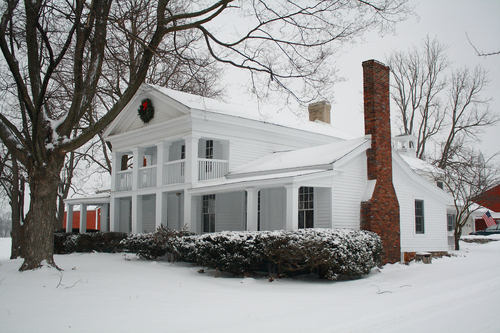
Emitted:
pixel 93 219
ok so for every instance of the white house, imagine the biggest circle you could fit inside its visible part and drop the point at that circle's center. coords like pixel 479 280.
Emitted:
pixel 212 166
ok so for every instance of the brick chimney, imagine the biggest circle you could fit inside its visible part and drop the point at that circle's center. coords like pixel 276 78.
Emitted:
pixel 319 111
pixel 381 213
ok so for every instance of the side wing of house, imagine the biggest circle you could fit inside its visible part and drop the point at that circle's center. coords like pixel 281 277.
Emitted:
pixel 347 191
pixel 423 221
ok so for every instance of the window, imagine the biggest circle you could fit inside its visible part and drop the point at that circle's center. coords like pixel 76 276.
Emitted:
pixel 183 157
pixel 306 207
pixel 451 221
pixel 208 214
pixel 209 149
pixel 183 152
pixel 419 217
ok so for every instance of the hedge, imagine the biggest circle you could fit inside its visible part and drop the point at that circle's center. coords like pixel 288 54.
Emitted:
pixel 326 252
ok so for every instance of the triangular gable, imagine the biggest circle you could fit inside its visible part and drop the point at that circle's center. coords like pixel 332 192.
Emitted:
pixel 412 175
pixel 166 108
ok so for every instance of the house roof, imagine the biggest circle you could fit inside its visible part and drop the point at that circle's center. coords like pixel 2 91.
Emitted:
pixel 318 157
pixel 171 104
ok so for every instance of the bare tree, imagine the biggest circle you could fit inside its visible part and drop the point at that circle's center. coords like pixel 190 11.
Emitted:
pixel 418 77
pixel 466 111
pixel 467 177
pixel 56 53
pixel 480 53
pixel 12 181
pixel 436 109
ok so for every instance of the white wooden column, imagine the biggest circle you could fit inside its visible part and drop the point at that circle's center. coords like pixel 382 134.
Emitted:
pixel 252 209
pixel 115 167
pixel 160 163
pixel 160 209
pixel 189 213
pixel 137 164
pixel 292 207
pixel 136 214
pixel 114 214
pixel 69 218
pixel 83 218
pixel 191 172
pixel 104 217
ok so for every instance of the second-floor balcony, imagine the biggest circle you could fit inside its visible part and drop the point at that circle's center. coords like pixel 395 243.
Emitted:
pixel 174 172
pixel 124 180
pixel 211 169
pixel 147 176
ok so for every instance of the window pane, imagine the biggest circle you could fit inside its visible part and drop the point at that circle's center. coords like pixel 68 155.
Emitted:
pixel 419 217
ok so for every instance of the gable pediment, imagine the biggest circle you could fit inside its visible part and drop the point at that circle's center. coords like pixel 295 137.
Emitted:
pixel 165 109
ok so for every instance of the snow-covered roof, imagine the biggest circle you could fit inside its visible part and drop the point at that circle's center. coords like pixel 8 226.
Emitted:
pixel 303 158
pixel 267 114
pixel 93 199
pixel 421 166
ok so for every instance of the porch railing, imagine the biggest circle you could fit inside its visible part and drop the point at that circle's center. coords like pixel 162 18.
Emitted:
pixel 147 176
pixel 174 172
pixel 124 180
pixel 211 169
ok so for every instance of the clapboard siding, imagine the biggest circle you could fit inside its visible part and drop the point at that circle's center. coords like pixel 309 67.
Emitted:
pixel 272 209
pixel 322 207
pixel 243 151
pixel 174 206
pixel 230 211
pixel 435 236
pixel 148 213
pixel 348 188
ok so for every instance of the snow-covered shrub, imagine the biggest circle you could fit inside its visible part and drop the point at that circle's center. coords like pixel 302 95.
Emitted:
pixel 228 251
pixel 152 245
pixel 328 252
pixel 97 241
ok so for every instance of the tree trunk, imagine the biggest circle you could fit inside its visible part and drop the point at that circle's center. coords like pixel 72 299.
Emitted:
pixel 39 227
pixel 457 234
pixel 16 204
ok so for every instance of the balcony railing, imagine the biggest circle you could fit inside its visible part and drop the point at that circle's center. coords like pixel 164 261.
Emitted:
pixel 124 179
pixel 147 176
pixel 211 169
pixel 174 172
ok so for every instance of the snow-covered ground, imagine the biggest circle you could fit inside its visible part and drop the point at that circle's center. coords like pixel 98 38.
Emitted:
pixel 119 293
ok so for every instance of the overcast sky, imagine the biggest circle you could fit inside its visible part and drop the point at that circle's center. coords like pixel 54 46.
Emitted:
pixel 448 21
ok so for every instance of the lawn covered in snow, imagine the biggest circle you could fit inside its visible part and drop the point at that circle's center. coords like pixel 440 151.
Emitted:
pixel 120 293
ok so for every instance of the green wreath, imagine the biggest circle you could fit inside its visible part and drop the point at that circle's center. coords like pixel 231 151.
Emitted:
pixel 146 110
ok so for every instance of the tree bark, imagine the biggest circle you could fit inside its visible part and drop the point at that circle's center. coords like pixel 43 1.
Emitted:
pixel 16 204
pixel 39 229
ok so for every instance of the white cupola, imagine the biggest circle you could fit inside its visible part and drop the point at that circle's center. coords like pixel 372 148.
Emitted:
pixel 405 144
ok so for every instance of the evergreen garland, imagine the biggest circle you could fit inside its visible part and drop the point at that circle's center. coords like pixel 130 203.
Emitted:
pixel 146 110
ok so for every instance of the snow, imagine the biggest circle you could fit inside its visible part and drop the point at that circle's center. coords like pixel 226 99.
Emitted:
pixel 120 293
pixel 265 113
pixel 313 156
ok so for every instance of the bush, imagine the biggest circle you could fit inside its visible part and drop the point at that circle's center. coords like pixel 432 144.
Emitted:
pixel 327 252
pixel 152 245
pixel 108 242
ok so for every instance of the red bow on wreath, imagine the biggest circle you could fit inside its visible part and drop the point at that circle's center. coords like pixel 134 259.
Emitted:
pixel 144 105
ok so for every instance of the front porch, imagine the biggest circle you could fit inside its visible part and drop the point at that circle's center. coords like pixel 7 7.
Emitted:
pixel 286 207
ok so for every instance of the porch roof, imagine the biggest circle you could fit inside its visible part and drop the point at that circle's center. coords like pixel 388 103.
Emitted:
pixel 319 157
pixel 260 181
pixel 94 199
